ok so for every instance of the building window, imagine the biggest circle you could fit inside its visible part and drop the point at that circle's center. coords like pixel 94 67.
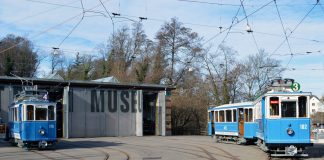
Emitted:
pixel 313 104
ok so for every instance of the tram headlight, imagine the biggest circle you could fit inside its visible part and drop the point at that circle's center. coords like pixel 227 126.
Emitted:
pixel 42 131
pixel 290 131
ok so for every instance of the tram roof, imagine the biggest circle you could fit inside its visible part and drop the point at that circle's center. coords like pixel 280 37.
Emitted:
pixel 232 105
pixel 78 83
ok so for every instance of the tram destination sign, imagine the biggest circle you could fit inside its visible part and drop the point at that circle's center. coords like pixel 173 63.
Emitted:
pixel 295 86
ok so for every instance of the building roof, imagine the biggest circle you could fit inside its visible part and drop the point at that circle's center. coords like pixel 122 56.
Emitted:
pixel 55 76
pixel 232 105
pixel 107 79
pixel 79 83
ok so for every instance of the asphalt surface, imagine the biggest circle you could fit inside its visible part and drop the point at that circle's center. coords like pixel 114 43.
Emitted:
pixel 146 148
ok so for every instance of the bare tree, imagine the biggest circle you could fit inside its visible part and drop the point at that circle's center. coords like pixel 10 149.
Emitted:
pixel 258 70
pixel 179 46
pixel 56 59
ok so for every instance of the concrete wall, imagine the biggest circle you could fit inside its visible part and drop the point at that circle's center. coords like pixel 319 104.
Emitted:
pixel 103 112
pixel 92 112
pixel 6 98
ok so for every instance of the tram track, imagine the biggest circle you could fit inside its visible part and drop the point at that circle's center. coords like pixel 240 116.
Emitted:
pixel 43 155
pixel 202 147
pixel 199 148
pixel 85 146
pixel 107 154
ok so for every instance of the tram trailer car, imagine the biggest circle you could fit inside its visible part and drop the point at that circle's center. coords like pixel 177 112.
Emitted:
pixel 32 121
pixel 279 121
pixel 232 123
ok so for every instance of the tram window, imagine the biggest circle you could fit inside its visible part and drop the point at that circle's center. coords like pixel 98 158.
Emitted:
pixel 228 115
pixel 216 116
pixel 15 112
pixel 302 101
pixel 209 116
pixel 51 113
pixel 221 116
pixel 250 115
pixel 288 109
pixel 234 115
pixel 41 113
pixel 246 113
pixel 274 106
pixel 30 112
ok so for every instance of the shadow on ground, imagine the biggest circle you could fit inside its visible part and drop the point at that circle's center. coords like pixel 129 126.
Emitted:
pixel 64 144
pixel 67 144
pixel 316 151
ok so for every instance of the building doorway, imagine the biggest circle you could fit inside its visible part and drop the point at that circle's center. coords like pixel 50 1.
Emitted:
pixel 149 111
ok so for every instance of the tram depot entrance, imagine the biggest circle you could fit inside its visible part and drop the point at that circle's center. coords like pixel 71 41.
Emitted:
pixel 56 95
pixel 149 113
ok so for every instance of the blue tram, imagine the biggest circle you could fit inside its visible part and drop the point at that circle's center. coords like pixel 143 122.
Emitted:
pixel 232 122
pixel 278 121
pixel 32 120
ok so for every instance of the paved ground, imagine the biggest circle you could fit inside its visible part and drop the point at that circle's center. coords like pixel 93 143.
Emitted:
pixel 146 148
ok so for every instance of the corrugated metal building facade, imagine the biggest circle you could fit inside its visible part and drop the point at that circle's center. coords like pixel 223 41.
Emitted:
pixel 96 109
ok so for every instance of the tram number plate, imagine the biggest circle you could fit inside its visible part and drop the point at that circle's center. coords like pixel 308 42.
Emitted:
pixel 303 126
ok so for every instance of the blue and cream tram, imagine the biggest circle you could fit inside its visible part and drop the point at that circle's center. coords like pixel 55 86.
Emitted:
pixel 232 122
pixel 278 120
pixel 32 120
pixel 283 120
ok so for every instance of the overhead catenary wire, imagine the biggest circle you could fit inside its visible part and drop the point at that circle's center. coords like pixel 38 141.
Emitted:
pixel 48 29
pixel 37 14
pixel 229 29
pixel 280 35
pixel 248 25
pixel 257 10
pixel 216 3
pixel 292 31
pixel 112 21
pixel 79 22
pixel 56 4
pixel 232 4
pixel 283 27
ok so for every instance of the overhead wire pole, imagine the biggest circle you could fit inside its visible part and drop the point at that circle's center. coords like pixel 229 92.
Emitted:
pixel 48 29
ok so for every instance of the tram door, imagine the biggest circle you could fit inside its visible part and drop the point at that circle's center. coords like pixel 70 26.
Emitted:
pixel 241 121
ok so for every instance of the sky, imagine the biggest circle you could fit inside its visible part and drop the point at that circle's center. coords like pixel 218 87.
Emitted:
pixel 292 27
